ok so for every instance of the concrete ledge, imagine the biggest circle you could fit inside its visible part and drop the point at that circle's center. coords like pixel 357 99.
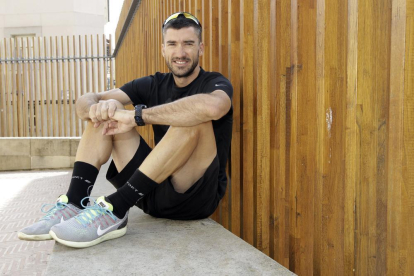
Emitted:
pixel 37 153
pixel 154 246
pixel 164 247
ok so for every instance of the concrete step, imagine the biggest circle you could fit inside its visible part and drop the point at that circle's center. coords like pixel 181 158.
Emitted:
pixel 154 246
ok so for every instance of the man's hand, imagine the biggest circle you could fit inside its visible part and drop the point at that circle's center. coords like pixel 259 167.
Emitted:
pixel 120 122
pixel 103 111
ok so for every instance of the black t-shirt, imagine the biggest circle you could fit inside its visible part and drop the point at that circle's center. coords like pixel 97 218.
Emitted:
pixel 160 88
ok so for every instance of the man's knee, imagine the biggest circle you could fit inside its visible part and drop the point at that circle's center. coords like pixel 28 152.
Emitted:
pixel 192 132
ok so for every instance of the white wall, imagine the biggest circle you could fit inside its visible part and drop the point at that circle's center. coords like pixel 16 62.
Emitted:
pixel 52 17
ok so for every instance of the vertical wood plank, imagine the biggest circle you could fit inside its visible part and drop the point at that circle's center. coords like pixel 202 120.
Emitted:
pixel 248 127
pixel 59 87
pixel 87 80
pixel 368 134
pixel 378 223
pixel 334 110
pixel 351 139
pixel 43 123
pixel 21 97
pixel 111 70
pixel 75 84
pixel 37 108
pixel 105 64
pixel 48 90
pixel 408 119
pixel 53 89
pixel 306 136
pixel 93 63
pixel 9 114
pixel 224 69
pixel 70 91
pixel 291 139
pixel 99 64
pixel 397 226
pixel 23 81
pixel 283 79
pixel 235 158
pixel 319 239
pixel 28 88
pixel 263 125
pixel 64 91
pixel 14 87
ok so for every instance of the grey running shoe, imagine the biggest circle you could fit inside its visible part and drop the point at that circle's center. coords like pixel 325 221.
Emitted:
pixel 92 226
pixel 59 212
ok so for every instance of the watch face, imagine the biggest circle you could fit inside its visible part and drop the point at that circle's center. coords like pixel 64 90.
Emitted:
pixel 138 115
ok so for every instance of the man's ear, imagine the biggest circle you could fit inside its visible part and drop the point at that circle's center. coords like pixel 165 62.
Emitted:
pixel 162 50
pixel 201 50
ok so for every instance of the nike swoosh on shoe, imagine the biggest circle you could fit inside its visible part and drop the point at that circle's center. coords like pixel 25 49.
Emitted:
pixel 100 232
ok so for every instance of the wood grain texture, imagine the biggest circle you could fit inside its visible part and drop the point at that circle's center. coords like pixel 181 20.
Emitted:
pixel 322 150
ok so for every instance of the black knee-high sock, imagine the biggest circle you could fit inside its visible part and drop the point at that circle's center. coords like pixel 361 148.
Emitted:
pixel 131 192
pixel 83 178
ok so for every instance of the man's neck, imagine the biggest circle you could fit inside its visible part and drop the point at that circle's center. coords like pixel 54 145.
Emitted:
pixel 183 82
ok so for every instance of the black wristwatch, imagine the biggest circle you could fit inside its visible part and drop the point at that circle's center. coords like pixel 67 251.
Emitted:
pixel 138 114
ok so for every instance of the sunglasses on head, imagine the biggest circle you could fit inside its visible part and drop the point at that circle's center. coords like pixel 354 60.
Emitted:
pixel 185 14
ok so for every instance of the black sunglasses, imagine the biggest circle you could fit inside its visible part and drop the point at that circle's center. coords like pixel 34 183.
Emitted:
pixel 184 14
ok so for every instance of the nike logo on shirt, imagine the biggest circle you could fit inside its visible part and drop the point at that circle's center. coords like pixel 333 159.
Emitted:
pixel 100 232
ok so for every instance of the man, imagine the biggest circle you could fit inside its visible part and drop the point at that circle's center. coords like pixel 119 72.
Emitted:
pixel 183 177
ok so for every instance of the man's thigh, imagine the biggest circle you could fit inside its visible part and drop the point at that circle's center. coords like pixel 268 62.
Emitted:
pixel 201 158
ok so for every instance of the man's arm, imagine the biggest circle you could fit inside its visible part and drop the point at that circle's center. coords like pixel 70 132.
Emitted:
pixel 188 111
pixel 97 106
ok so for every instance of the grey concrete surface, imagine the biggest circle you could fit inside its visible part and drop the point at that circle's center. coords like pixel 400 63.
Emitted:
pixel 154 246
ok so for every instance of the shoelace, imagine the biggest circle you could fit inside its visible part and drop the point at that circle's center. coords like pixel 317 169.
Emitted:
pixel 90 213
pixel 52 210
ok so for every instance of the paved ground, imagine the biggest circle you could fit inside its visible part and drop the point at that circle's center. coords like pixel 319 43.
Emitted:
pixel 21 196
pixel 164 247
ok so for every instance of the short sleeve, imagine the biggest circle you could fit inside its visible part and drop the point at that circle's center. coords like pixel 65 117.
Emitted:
pixel 138 90
pixel 219 83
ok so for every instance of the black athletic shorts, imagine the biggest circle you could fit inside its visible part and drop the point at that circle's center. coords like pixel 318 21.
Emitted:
pixel 198 202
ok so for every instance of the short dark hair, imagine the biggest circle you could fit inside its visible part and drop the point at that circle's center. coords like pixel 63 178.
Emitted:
pixel 182 22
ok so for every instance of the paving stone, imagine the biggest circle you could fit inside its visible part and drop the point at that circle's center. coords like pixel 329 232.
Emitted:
pixel 21 196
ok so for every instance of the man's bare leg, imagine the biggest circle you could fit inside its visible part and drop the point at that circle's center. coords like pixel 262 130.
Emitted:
pixel 95 148
pixel 93 151
pixel 184 153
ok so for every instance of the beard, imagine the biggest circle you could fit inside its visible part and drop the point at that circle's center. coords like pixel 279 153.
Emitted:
pixel 183 72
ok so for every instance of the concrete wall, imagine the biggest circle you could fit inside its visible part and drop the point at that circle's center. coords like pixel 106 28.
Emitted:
pixel 37 153
pixel 52 17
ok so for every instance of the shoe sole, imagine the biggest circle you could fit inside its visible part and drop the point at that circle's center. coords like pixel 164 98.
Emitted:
pixel 26 237
pixel 109 236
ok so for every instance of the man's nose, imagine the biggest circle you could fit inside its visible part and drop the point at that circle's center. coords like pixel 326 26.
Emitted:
pixel 180 51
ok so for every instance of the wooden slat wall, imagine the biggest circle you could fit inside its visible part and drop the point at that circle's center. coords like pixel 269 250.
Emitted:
pixel 37 98
pixel 322 155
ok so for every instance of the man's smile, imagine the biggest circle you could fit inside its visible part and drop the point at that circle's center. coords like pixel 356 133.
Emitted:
pixel 181 62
